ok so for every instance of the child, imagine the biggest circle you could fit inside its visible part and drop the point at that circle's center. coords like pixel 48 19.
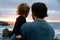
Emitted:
pixel 22 11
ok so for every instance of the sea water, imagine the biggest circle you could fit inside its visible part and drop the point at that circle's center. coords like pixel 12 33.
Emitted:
pixel 55 26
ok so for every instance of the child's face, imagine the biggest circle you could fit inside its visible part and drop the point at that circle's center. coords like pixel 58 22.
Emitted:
pixel 17 12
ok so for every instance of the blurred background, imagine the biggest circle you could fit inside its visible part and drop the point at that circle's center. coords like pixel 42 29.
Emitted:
pixel 8 13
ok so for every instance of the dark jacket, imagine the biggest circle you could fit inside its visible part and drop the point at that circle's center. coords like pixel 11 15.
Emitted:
pixel 19 22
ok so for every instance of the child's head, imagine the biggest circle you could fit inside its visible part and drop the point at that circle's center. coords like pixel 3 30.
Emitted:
pixel 23 10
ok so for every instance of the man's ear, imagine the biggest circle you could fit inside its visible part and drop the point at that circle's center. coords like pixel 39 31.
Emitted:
pixel 33 16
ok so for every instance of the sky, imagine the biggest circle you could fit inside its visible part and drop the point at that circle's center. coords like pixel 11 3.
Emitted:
pixel 8 9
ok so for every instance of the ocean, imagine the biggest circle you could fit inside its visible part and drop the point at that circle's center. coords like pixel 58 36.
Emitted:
pixel 55 25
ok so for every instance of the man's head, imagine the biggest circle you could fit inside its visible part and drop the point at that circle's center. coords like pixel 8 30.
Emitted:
pixel 23 9
pixel 39 10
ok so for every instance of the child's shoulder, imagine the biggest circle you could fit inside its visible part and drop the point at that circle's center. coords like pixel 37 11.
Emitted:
pixel 20 17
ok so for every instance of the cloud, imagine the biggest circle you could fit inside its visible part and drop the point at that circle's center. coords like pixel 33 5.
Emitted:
pixel 8 3
pixel 4 11
pixel 53 11
pixel 7 12
pixel 14 3
pixel 53 14
pixel 8 7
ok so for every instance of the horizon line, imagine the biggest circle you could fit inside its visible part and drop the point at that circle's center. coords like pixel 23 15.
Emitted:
pixel 30 20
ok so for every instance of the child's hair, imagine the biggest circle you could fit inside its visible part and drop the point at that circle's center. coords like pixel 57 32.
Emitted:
pixel 23 9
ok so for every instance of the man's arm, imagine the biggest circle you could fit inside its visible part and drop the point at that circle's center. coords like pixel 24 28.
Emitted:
pixel 23 31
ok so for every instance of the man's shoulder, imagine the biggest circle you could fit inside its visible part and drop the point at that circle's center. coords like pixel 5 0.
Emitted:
pixel 27 24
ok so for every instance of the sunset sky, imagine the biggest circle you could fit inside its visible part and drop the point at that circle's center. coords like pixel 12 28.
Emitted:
pixel 8 9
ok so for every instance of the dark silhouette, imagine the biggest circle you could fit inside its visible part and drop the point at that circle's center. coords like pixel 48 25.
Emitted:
pixel 39 29
pixel 22 11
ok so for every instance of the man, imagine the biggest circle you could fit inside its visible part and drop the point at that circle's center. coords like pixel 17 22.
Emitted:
pixel 39 29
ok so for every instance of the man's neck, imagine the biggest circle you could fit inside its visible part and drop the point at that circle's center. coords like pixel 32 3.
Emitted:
pixel 38 19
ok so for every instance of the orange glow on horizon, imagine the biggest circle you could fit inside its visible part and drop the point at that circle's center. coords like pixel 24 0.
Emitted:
pixel 53 20
pixel 28 20
pixel 8 19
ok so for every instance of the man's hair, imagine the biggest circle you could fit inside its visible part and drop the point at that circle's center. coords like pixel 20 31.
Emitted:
pixel 39 9
pixel 23 8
